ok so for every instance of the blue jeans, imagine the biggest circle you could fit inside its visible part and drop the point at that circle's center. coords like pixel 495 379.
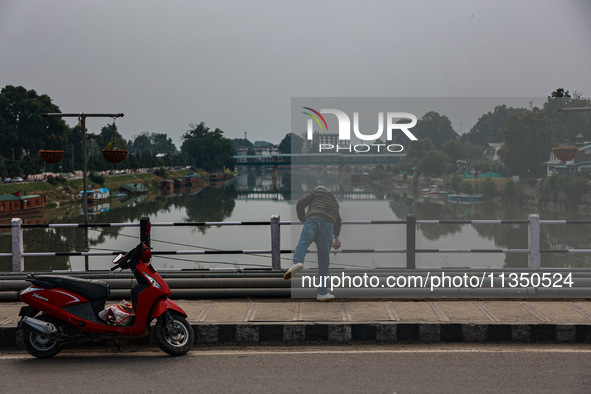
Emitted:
pixel 320 232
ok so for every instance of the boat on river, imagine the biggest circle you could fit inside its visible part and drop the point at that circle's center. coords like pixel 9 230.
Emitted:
pixel 19 204
pixel 95 209
pixel 434 191
pixel 95 195
pixel 192 180
pixel 465 198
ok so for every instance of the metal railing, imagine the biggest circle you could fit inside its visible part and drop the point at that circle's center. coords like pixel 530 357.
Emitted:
pixel 534 252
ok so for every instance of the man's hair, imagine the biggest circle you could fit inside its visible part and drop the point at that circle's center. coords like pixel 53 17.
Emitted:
pixel 323 188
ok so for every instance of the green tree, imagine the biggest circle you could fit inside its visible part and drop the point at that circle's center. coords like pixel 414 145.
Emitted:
pixel 241 143
pixel 567 125
pixel 151 144
pixel 454 149
pixel 490 127
pixel 73 146
pixel 141 142
pixel 162 143
pixel 434 163
pixel 417 149
pixel 207 149
pixel 291 143
pixel 560 92
pixel 30 165
pixel 527 144
pixel 13 168
pixel 436 127
pixel 474 152
pixel 23 129
pixel 110 134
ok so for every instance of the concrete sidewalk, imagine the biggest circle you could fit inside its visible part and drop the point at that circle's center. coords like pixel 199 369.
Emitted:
pixel 354 320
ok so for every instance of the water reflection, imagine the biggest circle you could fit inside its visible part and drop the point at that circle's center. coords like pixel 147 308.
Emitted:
pixel 210 205
pixel 261 193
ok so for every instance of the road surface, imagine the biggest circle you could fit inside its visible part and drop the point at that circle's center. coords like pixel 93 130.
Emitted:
pixel 454 368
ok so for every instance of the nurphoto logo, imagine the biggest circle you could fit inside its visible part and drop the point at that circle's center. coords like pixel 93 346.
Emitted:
pixel 344 130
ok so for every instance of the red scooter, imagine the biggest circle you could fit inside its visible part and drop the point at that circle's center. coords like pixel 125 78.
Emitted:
pixel 70 310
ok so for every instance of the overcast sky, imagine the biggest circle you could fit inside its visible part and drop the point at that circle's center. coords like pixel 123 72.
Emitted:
pixel 236 65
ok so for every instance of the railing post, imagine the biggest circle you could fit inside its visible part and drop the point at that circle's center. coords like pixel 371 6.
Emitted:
pixel 534 241
pixel 145 228
pixel 275 243
pixel 18 260
pixel 411 241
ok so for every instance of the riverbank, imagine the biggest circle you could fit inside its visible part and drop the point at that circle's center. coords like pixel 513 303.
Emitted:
pixel 60 191
pixel 557 193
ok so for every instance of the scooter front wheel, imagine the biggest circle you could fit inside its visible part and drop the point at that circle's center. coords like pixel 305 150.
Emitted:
pixel 39 345
pixel 174 334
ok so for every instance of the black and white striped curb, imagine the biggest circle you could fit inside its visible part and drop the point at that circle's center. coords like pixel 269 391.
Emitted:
pixel 337 333
pixel 390 332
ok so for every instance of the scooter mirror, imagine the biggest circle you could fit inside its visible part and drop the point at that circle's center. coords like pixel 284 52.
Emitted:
pixel 118 258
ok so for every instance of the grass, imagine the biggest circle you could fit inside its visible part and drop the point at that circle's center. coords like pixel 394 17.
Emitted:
pixel 26 188
pixel 115 181
pixel 65 192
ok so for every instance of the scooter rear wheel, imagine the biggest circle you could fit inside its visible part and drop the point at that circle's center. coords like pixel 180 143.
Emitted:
pixel 39 345
pixel 175 339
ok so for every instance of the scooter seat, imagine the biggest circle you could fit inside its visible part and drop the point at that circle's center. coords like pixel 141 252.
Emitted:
pixel 91 288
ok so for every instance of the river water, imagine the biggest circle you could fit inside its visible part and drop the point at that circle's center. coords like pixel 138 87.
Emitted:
pixel 256 196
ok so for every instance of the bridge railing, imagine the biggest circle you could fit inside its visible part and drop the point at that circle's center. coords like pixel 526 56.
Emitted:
pixel 533 222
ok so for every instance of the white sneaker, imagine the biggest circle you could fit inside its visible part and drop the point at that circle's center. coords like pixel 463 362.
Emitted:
pixel 293 270
pixel 324 297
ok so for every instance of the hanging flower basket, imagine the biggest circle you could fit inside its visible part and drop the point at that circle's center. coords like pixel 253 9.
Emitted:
pixel 114 155
pixel 565 153
pixel 51 156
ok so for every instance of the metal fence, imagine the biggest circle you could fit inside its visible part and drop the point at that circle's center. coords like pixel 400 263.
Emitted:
pixel 534 252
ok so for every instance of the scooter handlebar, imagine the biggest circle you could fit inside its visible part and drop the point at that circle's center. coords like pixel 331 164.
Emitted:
pixel 126 261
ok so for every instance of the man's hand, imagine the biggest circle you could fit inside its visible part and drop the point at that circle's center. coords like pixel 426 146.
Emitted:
pixel 336 243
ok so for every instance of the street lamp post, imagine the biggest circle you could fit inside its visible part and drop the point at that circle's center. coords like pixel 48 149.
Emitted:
pixel 82 123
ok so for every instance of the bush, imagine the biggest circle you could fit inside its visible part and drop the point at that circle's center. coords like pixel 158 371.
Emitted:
pixel 486 187
pixel 549 188
pixel 56 180
pixel 509 191
pixel 465 187
pixel 96 178
pixel 575 188
pixel 454 182
pixel 161 172
pixel 569 187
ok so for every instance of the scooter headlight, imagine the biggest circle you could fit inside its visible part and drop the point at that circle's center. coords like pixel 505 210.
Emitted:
pixel 152 281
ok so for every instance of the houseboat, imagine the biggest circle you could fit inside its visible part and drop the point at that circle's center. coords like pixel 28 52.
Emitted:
pixel 18 203
pixel 195 180
pixel 192 181
pixel 166 186
pixel 464 198
pixel 434 191
pixel 95 209
pixel 95 195
pixel 131 189
pixel 217 177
